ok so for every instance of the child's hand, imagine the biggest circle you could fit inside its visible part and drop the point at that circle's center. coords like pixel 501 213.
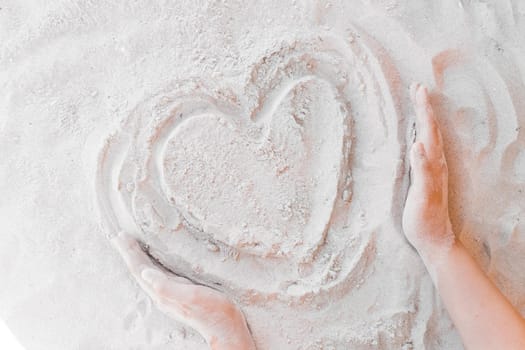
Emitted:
pixel 206 310
pixel 483 316
pixel 426 221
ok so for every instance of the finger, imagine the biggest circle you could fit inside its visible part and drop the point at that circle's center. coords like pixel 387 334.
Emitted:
pixel 170 297
pixel 157 280
pixel 135 258
pixel 427 128
pixel 180 300
pixel 202 308
pixel 418 159
pixel 421 173
pixel 184 296
pixel 165 285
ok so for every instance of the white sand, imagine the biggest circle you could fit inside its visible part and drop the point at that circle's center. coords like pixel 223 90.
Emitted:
pixel 257 148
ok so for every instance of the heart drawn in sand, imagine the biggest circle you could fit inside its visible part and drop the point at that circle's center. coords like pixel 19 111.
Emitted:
pixel 261 180
pixel 266 186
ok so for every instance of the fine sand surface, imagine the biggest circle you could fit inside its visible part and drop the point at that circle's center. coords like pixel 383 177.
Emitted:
pixel 258 147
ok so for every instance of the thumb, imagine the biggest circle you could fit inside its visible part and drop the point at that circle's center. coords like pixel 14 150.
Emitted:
pixel 174 289
pixel 157 280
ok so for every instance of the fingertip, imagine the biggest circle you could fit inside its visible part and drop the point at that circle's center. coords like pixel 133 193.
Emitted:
pixel 123 241
pixel 153 277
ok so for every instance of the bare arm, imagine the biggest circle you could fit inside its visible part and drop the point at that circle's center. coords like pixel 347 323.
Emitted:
pixel 483 316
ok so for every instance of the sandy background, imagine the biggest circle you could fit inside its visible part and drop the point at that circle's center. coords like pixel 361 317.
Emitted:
pixel 71 71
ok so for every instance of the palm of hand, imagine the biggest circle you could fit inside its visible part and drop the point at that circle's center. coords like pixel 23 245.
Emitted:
pixel 426 221
pixel 206 310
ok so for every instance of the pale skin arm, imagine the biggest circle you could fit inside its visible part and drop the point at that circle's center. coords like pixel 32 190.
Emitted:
pixel 208 311
pixel 483 316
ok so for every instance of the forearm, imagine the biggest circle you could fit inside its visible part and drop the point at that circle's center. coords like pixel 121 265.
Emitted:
pixel 481 313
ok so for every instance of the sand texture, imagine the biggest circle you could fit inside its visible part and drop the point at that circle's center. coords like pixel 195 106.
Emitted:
pixel 258 147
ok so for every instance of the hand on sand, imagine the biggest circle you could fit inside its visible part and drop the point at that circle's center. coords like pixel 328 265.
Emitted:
pixel 206 310
pixel 426 220
pixel 483 316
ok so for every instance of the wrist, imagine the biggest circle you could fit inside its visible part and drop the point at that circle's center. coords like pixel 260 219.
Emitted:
pixel 434 252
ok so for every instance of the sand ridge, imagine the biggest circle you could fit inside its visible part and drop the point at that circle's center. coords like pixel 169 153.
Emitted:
pixel 224 199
